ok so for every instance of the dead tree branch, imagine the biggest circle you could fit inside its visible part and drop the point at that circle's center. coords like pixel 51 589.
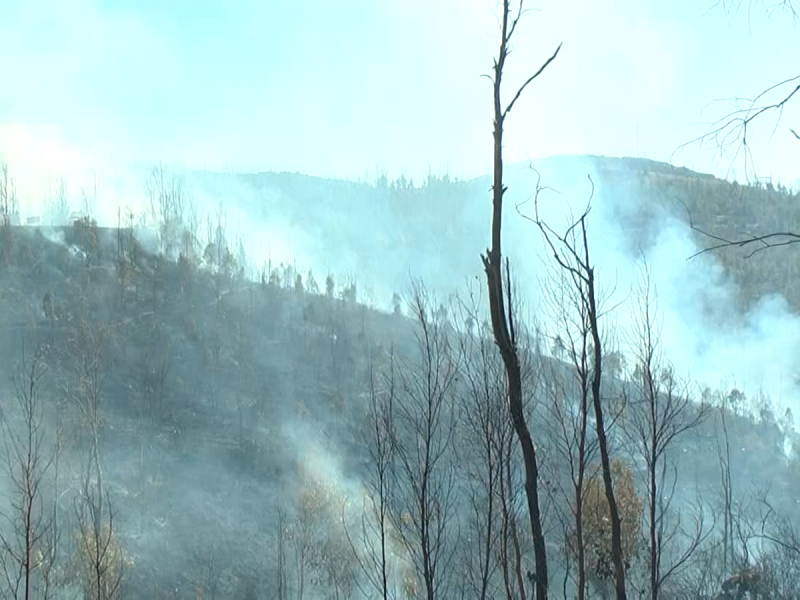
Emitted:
pixel 774 239
pixel 730 133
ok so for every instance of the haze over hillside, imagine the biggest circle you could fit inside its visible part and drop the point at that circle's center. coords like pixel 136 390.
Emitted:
pixel 294 306
pixel 233 406
pixel 727 321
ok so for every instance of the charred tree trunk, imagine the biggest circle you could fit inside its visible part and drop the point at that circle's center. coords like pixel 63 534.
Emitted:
pixel 501 308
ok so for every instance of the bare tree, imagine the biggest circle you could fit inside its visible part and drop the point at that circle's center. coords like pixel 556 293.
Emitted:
pixel 425 426
pixel 779 563
pixel 788 7
pixel 127 249
pixel 220 235
pixel 496 556
pixel 483 417
pixel 512 544
pixel 373 554
pixel 280 576
pixel 729 557
pixel 503 319
pixel 191 231
pixel 321 556
pixel 570 251
pixel 568 392
pixel 730 132
pixel 28 530
pixel 752 243
pixel 155 371
pixel 122 263
pixel 658 412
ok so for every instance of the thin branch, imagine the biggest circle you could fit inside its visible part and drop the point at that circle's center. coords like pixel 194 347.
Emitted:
pixel 530 79
pixel 732 129
pixel 774 239
pixel 731 6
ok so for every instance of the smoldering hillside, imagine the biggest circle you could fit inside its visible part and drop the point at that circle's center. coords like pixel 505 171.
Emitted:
pixel 232 414
pixel 731 322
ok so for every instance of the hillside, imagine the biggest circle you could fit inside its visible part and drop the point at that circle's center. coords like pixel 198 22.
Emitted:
pixel 444 219
pixel 209 388
pixel 225 406
pixel 726 209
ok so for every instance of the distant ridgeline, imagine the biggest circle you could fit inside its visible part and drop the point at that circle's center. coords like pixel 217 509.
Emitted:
pixel 444 220
pixel 722 208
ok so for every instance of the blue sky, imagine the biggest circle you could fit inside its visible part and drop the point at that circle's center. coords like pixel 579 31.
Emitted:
pixel 346 88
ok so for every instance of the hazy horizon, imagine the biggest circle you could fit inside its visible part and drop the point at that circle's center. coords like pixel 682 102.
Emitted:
pixel 348 89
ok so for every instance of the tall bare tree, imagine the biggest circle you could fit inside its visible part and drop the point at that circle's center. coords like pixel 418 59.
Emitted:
pixel 503 319
pixel 9 204
pixel 512 545
pixel 732 133
pixel 658 412
pixel 425 421
pixel 570 251
pixel 483 417
pixel 84 383
pixel 726 484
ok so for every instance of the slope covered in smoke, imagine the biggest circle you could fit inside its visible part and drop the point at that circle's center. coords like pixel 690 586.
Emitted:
pixel 446 217
pixel 227 405
pixel 729 319
pixel 226 399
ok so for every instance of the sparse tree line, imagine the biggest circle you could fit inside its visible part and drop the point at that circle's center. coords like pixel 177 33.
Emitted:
pixel 441 511
pixel 58 533
pixel 167 229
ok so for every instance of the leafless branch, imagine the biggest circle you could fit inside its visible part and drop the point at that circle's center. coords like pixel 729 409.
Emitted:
pixel 729 7
pixel 529 80
pixel 773 239
pixel 730 132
